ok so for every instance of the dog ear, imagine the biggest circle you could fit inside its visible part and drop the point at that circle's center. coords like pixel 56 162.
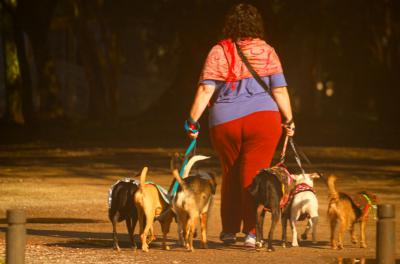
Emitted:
pixel 296 177
pixel 314 175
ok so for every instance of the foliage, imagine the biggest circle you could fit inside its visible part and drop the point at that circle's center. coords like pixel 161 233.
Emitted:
pixel 12 64
pixel 350 48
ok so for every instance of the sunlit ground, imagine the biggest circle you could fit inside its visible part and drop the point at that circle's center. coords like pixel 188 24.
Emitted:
pixel 64 192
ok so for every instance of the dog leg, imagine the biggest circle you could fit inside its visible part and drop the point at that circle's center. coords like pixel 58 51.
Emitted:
pixel 129 223
pixel 152 235
pixel 276 214
pixel 342 229
pixel 149 214
pixel 362 233
pixel 182 229
pixel 284 228
pixel 189 235
pixel 115 236
pixel 333 230
pixel 165 225
pixel 314 222
pixel 182 226
pixel 294 231
pixel 353 234
pixel 259 225
pixel 203 226
pixel 307 230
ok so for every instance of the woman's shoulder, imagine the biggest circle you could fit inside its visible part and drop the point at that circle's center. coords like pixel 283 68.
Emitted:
pixel 216 48
pixel 216 52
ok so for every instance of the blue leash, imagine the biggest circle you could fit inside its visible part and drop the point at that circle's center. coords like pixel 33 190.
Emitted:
pixel 188 151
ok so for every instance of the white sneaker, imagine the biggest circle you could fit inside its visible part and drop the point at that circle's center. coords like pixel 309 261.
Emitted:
pixel 250 241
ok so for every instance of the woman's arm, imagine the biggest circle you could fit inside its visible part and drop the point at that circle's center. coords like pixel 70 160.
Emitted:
pixel 282 99
pixel 203 96
pixel 201 99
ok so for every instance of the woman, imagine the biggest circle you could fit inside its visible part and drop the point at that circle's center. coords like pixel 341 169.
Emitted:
pixel 244 120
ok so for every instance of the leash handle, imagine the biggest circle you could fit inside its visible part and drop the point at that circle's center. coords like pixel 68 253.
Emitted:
pixel 283 152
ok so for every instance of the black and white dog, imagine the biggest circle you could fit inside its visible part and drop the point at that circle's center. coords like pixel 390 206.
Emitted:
pixel 121 207
pixel 303 204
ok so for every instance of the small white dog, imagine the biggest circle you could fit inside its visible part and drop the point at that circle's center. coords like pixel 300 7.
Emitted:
pixel 303 205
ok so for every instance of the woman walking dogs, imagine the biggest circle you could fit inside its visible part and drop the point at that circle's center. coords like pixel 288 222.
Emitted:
pixel 244 118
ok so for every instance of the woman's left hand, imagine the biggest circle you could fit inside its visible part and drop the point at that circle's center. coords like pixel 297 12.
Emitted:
pixel 192 128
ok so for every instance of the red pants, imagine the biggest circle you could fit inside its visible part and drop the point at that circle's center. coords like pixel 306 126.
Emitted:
pixel 244 146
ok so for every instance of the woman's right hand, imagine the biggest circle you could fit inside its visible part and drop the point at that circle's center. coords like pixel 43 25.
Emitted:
pixel 289 127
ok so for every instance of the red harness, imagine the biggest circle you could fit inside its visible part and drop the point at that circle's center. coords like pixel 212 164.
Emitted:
pixel 362 201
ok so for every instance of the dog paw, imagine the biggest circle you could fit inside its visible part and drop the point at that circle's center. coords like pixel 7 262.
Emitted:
pixel 145 249
pixel 259 244
pixel 166 247
pixel 190 249
pixel 204 245
pixel 339 246
pixel 271 249
pixel 117 248
pixel 354 241
pixel 295 245
pixel 284 245
pixel 363 245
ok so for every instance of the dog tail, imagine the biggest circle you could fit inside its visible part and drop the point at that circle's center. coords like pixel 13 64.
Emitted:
pixel 178 178
pixel 190 164
pixel 143 177
pixel 333 194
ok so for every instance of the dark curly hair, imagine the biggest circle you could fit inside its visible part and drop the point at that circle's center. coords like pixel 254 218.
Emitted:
pixel 243 21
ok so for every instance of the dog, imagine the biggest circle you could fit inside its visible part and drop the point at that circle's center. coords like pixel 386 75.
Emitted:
pixel 121 207
pixel 346 211
pixel 269 189
pixel 303 204
pixel 193 201
pixel 151 204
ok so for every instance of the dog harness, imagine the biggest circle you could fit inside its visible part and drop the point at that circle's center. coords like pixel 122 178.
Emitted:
pixel 363 201
pixel 303 187
pixel 128 180
pixel 161 191
pixel 283 175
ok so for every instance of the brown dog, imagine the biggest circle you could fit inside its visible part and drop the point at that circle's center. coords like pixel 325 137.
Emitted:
pixel 193 201
pixel 347 211
pixel 150 204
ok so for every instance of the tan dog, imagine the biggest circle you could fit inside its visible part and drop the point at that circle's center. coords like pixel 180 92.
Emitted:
pixel 192 202
pixel 347 211
pixel 150 204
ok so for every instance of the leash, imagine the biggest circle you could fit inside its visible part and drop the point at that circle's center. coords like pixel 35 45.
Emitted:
pixel 283 152
pixel 296 155
pixel 192 147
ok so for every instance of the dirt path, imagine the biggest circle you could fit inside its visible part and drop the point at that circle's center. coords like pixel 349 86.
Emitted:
pixel 64 192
